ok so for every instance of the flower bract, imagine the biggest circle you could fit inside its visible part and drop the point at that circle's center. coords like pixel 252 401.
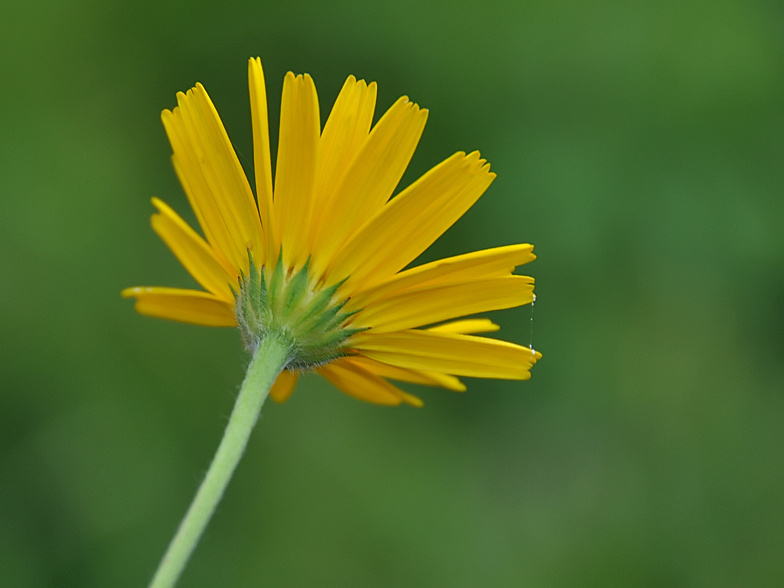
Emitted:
pixel 319 255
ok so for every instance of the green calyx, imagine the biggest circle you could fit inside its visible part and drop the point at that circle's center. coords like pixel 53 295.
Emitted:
pixel 308 320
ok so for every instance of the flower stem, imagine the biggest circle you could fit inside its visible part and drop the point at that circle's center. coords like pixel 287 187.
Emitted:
pixel 271 356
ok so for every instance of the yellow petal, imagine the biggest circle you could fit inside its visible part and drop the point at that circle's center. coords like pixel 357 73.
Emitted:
pixel 284 386
pixel 407 375
pixel 261 149
pixel 192 252
pixel 214 174
pixel 466 327
pixel 296 166
pixel 346 130
pixel 223 172
pixel 187 306
pixel 496 262
pixel 430 305
pixel 412 221
pixel 199 196
pixel 462 355
pixel 370 178
pixel 363 385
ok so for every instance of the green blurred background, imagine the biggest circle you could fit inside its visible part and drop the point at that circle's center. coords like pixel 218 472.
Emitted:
pixel 638 145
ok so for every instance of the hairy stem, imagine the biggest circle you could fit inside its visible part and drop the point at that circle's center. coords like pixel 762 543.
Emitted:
pixel 271 356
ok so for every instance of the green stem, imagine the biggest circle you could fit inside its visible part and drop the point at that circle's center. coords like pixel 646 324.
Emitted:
pixel 270 358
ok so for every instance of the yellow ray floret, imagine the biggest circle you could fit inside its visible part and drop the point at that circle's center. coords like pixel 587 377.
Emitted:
pixel 488 263
pixel 296 167
pixel 193 252
pixel 466 327
pixel 284 386
pixel 187 306
pixel 423 377
pixel 360 383
pixel 428 305
pixel 209 168
pixel 261 148
pixel 462 355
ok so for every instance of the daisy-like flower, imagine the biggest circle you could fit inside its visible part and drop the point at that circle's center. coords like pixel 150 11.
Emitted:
pixel 318 261
pixel 312 270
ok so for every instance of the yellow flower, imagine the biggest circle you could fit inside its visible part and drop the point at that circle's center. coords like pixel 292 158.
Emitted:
pixel 330 239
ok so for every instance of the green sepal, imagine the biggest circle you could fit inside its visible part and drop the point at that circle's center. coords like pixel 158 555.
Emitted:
pixel 277 283
pixel 321 301
pixel 296 288
pixel 340 318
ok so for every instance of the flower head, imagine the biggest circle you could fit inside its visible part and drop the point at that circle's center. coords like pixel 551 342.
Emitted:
pixel 318 261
